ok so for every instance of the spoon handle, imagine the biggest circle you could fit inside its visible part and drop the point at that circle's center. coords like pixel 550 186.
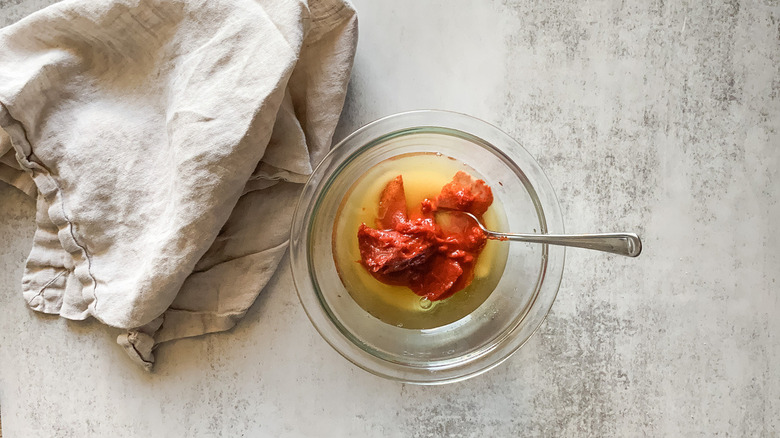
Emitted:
pixel 627 244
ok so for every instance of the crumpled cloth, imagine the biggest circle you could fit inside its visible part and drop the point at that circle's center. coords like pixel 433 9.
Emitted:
pixel 165 142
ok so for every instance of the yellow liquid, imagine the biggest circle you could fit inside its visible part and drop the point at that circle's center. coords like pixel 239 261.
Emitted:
pixel 424 175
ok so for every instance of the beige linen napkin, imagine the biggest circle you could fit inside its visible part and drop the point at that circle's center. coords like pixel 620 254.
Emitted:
pixel 166 142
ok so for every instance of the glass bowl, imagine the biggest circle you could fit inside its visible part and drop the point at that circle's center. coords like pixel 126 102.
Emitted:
pixel 487 335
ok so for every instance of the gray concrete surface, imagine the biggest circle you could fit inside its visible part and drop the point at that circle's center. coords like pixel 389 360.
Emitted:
pixel 659 117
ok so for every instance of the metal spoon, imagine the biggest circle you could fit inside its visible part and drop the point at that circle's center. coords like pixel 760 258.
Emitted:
pixel 627 244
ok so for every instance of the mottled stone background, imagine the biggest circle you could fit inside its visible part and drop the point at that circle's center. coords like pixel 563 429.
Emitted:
pixel 659 117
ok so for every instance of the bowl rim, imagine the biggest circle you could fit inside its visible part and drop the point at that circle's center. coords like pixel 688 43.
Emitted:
pixel 551 271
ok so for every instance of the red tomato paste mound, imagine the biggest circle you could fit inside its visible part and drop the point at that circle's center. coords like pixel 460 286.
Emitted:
pixel 433 260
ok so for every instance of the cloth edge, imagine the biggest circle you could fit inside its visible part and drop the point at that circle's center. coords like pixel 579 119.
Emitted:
pixel 49 190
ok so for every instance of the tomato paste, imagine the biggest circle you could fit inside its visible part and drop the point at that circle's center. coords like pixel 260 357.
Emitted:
pixel 433 259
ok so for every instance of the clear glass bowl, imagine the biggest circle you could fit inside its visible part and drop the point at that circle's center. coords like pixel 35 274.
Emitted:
pixel 488 335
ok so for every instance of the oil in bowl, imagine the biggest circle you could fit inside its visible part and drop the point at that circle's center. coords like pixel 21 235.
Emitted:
pixel 424 174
